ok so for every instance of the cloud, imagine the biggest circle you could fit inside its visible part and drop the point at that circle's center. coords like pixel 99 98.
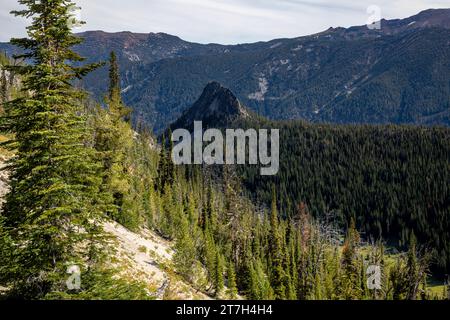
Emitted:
pixel 225 21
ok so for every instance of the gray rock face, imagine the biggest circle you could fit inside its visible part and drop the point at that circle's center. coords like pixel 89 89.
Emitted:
pixel 216 107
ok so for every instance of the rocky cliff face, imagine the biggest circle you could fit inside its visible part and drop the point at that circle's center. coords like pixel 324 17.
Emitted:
pixel 216 108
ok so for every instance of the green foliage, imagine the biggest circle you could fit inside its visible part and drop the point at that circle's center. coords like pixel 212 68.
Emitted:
pixel 276 252
pixel 166 170
pixel 260 255
pixel 73 165
pixel 392 180
pixel 5 251
pixel 116 105
pixel 185 252
pixel 52 206
pixel 351 288
pixel 114 78
pixel 231 281
pixel 115 144
pixel 260 286
pixel 219 280
pixel 103 285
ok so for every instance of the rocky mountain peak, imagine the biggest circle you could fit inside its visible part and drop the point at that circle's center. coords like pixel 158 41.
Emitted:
pixel 216 107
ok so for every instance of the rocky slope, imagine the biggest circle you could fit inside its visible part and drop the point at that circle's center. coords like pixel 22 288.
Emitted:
pixel 139 256
pixel 217 107
pixel 145 257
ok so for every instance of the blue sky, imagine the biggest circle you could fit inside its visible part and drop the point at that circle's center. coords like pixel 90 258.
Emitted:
pixel 225 21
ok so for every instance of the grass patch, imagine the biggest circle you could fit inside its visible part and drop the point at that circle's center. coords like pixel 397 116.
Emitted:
pixel 142 249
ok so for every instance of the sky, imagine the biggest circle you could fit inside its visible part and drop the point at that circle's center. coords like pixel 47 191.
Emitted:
pixel 225 21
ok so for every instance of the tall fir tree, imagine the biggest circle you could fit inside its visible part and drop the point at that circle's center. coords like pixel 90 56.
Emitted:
pixel 114 78
pixel 115 144
pixel 220 268
pixel 232 286
pixel 276 252
pixel 351 289
pixel 185 254
pixel 417 268
pixel 115 102
pixel 166 167
pixel 51 209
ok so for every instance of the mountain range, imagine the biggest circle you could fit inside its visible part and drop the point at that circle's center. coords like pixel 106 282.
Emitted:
pixel 398 74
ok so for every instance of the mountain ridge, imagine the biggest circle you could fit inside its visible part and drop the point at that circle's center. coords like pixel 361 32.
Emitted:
pixel 341 75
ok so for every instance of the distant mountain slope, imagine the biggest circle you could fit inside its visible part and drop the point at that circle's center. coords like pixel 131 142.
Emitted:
pixel 355 75
pixel 398 74
pixel 426 19
pixel 393 79
pixel 133 49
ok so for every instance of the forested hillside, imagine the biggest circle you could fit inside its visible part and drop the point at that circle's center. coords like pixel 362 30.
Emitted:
pixel 75 166
pixel 392 180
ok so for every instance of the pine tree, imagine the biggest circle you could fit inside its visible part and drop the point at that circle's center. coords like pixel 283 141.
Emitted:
pixel 166 167
pixel 412 265
pixel 207 211
pixel 51 209
pixel 416 270
pixel 276 253
pixel 185 253
pixel 233 211
pixel 350 282
pixel 5 251
pixel 260 286
pixel 219 282
pixel 167 218
pixel 161 180
pixel 210 256
pixel 398 279
pixel 116 145
pixel 293 258
pixel 192 212
pixel 116 105
pixel 170 174
pixel 114 78
pixel 232 287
